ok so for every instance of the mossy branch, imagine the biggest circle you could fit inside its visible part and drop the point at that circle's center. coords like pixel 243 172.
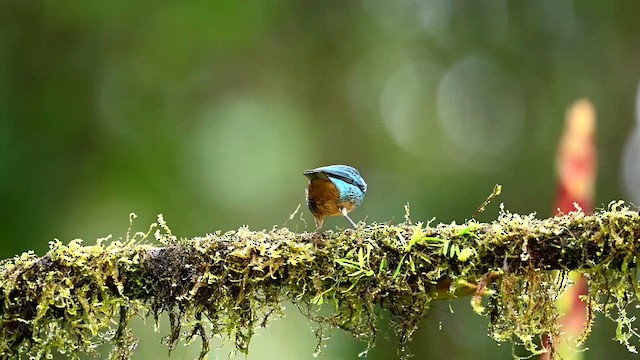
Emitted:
pixel 76 297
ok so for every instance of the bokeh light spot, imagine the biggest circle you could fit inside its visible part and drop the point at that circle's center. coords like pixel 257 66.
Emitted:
pixel 406 104
pixel 481 109
pixel 631 158
pixel 413 16
pixel 246 152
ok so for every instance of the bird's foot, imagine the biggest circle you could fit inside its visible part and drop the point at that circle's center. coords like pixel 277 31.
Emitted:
pixel 346 216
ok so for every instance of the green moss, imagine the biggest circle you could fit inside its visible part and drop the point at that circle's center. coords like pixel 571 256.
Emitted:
pixel 76 298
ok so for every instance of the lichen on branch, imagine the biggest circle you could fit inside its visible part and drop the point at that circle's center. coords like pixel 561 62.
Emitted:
pixel 76 298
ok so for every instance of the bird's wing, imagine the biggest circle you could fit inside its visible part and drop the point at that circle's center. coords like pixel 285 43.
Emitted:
pixel 344 175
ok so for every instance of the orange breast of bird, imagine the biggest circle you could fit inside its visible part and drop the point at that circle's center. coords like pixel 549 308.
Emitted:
pixel 323 197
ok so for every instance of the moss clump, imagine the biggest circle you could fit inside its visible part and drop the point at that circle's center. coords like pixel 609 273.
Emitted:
pixel 75 298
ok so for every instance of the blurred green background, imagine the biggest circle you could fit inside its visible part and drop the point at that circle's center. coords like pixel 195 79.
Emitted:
pixel 208 112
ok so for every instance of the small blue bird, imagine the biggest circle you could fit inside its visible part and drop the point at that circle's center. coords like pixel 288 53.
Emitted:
pixel 334 190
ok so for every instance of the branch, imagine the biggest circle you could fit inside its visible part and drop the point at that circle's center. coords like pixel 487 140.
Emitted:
pixel 76 297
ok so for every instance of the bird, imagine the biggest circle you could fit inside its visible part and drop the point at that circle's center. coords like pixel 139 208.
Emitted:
pixel 334 190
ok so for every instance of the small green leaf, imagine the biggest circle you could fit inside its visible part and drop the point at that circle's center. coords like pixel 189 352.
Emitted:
pixel 416 238
pixel 397 272
pixel 465 254
pixel 369 273
pixel 445 247
pixel 454 250
pixel 318 299
pixel 383 265
pixel 348 263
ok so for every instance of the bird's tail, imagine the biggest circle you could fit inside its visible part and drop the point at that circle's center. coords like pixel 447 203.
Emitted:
pixel 315 174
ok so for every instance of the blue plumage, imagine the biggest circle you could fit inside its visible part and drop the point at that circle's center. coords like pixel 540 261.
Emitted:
pixel 334 190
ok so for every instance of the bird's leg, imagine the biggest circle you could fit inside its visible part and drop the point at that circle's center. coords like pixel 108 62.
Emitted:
pixel 344 213
pixel 319 221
